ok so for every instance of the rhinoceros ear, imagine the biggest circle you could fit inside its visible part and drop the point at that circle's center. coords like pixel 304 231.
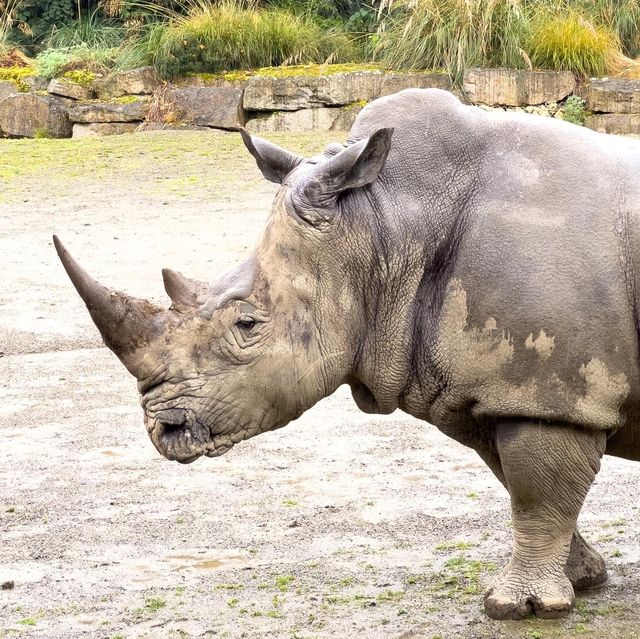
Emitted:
pixel 357 165
pixel 274 162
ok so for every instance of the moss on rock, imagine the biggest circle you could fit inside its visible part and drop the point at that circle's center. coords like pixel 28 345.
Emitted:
pixel 17 76
pixel 301 70
pixel 80 76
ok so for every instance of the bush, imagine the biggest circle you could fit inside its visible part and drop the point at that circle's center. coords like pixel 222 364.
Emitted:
pixel 91 44
pixel 53 63
pixel 37 18
pixel 88 31
pixel 226 35
pixel 588 37
pixel 575 110
pixel 567 41
pixel 452 34
pixel 621 16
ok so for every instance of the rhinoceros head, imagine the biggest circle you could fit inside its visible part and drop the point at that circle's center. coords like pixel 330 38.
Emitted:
pixel 251 352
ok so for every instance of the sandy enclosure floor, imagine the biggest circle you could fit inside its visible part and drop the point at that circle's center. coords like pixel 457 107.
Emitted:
pixel 340 525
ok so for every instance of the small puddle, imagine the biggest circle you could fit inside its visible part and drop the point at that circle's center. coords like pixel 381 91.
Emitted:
pixel 415 478
pixel 210 564
pixel 201 563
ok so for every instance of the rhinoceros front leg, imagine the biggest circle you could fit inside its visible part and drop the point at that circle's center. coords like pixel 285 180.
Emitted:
pixel 585 567
pixel 548 471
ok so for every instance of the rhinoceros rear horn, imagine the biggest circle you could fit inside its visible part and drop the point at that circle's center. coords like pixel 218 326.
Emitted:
pixel 127 324
pixel 184 291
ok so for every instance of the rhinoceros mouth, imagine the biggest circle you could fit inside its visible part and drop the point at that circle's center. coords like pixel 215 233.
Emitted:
pixel 177 439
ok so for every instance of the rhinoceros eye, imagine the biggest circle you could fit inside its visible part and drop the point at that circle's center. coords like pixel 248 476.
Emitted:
pixel 246 323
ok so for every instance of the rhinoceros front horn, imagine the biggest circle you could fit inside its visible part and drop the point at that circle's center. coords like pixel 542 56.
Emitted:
pixel 127 324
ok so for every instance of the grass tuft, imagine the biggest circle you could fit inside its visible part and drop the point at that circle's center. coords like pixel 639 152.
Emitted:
pixel 452 34
pixel 230 34
pixel 587 37
pixel 566 41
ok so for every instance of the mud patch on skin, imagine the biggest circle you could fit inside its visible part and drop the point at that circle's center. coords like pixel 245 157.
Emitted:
pixel 478 364
pixel 543 345
pixel 475 354
pixel 604 391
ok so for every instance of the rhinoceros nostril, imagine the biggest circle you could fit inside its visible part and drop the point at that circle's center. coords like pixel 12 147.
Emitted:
pixel 171 420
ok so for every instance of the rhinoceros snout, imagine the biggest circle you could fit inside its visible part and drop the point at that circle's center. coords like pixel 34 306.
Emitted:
pixel 174 437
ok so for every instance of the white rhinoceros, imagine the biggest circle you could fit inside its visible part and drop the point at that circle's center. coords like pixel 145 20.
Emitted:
pixel 477 270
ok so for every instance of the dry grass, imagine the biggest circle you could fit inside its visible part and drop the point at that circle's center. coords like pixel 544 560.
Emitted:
pixel 8 10
pixel 566 41
pixel 587 37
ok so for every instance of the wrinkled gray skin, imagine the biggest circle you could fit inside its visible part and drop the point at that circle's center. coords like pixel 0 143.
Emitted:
pixel 476 270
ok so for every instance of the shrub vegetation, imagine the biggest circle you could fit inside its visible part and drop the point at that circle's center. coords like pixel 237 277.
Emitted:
pixel 587 37
pixel 566 40
pixel 227 35
pixel 451 34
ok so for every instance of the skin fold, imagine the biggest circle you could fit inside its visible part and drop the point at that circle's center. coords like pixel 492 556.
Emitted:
pixel 476 270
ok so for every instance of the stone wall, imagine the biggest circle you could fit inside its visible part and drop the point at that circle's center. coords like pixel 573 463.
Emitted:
pixel 139 100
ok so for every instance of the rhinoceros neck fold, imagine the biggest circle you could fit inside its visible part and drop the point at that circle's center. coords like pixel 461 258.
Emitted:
pixel 406 283
pixel 414 251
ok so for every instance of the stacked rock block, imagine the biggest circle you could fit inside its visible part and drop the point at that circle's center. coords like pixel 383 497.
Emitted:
pixel 63 108
pixel 291 101
pixel 614 105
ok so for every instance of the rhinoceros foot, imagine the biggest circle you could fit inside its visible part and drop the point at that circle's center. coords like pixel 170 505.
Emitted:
pixel 585 567
pixel 516 596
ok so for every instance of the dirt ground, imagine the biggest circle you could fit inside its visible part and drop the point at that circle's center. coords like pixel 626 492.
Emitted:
pixel 340 525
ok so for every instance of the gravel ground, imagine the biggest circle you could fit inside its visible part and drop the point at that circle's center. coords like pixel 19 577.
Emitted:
pixel 340 525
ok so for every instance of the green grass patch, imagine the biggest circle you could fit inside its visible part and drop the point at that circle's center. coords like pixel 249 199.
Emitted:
pixel 614 523
pixel 28 621
pixel 211 37
pixel 289 71
pixel 449 546
pixel 228 587
pixel 153 604
pixel 345 582
pixel 197 164
pixel 389 596
pixel 356 598
pixel 461 576
pixel 283 582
